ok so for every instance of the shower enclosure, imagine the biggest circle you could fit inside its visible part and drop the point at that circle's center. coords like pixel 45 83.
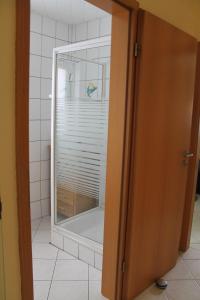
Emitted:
pixel 80 107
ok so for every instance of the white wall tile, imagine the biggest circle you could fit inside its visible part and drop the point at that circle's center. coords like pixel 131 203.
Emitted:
pixel 93 29
pixel 104 51
pixel 49 27
pixel 34 151
pixel 71 247
pixel 36 22
pixel 34 88
pixel 105 26
pixel 98 261
pixel 92 53
pixel 48 44
pixel 45 130
pixel 34 171
pixel 62 31
pixel 45 150
pixel 86 255
pixel 81 32
pixel 46 70
pixel 35 43
pixel 45 109
pixel 45 169
pixel 34 109
pixel 57 239
pixel 35 210
pixel 46 88
pixel 34 131
pixel 45 207
pixel 35 65
pixel 60 43
pixel 45 189
pixel 34 191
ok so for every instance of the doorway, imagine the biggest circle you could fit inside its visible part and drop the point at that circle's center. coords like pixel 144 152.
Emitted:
pixel 68 167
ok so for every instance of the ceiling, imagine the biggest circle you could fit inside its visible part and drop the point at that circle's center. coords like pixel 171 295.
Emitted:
pixel 68 11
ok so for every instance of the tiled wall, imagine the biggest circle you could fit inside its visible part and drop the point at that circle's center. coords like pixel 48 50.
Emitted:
pixel 46 34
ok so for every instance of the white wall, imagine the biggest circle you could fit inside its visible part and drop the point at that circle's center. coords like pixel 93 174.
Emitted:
pixel 46 34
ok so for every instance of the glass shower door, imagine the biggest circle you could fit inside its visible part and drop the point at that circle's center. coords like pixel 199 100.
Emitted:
pixel 80 134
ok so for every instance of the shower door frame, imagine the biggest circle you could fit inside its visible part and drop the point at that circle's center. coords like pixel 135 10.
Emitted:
pixel 124 14
pixel 89 44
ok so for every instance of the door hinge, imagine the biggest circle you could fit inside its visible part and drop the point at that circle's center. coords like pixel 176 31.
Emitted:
pixel 123 266
pixel 1 209
pixel 137 49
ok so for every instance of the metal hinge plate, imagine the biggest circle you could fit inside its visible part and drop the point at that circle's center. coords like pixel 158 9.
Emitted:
pixel 137 49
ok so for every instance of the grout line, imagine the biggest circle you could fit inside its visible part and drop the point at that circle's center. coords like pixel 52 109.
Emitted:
pixel 53 275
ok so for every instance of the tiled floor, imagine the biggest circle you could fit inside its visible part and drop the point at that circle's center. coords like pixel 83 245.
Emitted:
pixel 59 276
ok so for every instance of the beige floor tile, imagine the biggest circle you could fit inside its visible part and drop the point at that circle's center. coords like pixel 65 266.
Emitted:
pixel 180 271
pixel 193 252
pixel 194 267
pixel 183 290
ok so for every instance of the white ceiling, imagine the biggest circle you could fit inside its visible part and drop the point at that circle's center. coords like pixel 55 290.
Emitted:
pixel 68 11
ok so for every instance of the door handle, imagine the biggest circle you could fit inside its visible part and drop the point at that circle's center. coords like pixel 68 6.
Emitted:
pixel 187 156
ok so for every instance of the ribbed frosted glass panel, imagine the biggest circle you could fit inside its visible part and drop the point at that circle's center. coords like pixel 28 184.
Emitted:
pixel 81 125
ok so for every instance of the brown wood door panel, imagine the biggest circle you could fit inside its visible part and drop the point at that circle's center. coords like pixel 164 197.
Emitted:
pixel 164 99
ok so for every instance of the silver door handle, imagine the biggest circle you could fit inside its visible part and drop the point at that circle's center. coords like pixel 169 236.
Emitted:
pixel 188 154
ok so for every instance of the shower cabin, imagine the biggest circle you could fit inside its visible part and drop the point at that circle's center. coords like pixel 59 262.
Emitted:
pixel 80 106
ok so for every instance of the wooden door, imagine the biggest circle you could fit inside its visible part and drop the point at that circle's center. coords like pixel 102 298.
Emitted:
pixel 165 78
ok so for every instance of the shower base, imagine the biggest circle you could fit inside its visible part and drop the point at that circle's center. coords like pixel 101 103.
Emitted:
pixel 82 236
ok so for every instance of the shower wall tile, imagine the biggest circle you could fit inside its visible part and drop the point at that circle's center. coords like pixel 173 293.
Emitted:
pixel 35 65
pixel 81 32
pixel 36 22
pixel 34 151
pixel 45 189
pixel 93 29
pixel 36 212
pixel 35 172
pixel 35 191
pixel 46 69
pixel 34 131
pixel 45 207
pixel 46 85
pixel 105 26
pixel 49 27
pixel 45 109
pixel 45 169
pixel 45 150
pixel 62 31
pixel 34 88
pixel 34 109
pixel 45 130
pixel 35 43
pixel 48 44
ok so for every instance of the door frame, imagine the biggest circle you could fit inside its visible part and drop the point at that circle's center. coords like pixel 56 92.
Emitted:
pixel 193 166
pixel 124 14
